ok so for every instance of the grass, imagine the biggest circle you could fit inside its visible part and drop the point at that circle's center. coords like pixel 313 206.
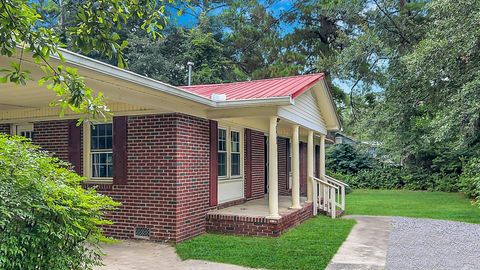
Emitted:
pixel 308 246
pixel 421 204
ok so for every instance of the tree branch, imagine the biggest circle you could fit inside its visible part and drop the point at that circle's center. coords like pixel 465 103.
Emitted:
pixel 400 31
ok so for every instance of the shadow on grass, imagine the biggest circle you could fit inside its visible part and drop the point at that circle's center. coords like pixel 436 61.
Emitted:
pixel 311 245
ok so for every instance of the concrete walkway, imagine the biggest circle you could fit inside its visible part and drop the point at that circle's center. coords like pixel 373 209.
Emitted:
pixel 142 255
pixel 366 246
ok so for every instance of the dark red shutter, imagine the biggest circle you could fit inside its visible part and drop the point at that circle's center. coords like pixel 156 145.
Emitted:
pixel 303 168
pixel 288 165
pixel 213 162
pixel 120 155
pixel 317 160
pixel 74 145
pixel 248 163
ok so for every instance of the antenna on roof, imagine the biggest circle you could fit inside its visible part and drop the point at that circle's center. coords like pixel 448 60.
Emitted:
pixel 190 64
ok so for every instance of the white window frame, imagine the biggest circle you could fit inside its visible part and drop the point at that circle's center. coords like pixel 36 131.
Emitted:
pixel 227 163
pixel 17 129
pixel 229 175
pixel 239 153
pixel 87 154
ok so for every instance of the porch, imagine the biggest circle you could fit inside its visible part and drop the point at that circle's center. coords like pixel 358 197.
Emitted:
pixel 251 218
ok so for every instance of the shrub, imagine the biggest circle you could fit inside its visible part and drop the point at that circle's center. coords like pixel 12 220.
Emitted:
pixel 347 159
pixel 470 179
pixel 47 220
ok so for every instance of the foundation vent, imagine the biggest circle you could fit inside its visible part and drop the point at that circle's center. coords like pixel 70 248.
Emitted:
pixel 142 233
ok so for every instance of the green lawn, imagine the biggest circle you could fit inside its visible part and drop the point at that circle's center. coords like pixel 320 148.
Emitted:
pixel 308 246
pixel 422 204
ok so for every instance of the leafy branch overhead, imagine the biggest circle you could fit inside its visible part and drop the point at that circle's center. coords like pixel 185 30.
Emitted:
pixel 39 29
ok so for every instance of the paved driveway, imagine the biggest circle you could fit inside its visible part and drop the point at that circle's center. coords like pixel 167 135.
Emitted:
pixel 399 243
pixel 142 255
pixel 374 243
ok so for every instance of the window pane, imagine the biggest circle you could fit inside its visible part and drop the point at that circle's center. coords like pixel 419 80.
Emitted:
pixel 235 164
pixel 108 142
pixel 102 165
pixel 101 143
pixel 101 136
pixel 222 164
pixel 235 139
pixel 222 140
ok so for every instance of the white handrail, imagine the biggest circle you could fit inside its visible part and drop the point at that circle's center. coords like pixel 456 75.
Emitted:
pixel 342 187
pixel 329 178
pixel 324 194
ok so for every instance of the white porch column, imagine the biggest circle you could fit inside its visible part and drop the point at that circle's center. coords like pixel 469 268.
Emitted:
pixel 295 168
pixel 273 169
pixel 310 158
pixel 322 156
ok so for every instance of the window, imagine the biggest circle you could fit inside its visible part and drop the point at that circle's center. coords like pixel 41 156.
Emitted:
pixel 222 152
pixel 101 150
pixel 235 152
pixel 25 130
pixel 229 154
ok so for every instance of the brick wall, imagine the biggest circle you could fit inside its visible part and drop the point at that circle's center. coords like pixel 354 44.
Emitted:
pixel 168 172
pixel 53 137
pixel 149 197
pixel 258 165
pixel 193 174
pixel 168 178
pixel 258 226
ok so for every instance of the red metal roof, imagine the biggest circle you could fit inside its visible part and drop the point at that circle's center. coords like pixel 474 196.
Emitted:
pixel 268 88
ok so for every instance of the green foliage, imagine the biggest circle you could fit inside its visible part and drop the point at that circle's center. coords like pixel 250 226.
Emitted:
pixel 347 159
pixel 47 220
pixel 470 179
pixel 38 29
pixel 166 59
pixel 352 165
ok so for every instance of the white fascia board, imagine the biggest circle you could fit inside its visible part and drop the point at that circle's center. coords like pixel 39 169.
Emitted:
pixel 274 101
pixel 338 126
pixel 107 69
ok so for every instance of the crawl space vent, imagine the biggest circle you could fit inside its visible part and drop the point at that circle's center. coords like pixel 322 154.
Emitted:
pixel 143 233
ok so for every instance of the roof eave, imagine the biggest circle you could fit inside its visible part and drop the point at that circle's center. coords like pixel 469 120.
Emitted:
pixel 272 101
pixel 107 69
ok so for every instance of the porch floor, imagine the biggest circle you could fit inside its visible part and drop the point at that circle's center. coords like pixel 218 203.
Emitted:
pixel 259 207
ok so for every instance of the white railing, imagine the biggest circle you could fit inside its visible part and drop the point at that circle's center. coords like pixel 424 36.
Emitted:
pixel 328 194
pixel 341 190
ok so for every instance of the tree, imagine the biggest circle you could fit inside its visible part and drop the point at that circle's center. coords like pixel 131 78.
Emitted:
pixel 38 29
pixel 166 59
pixel 47 220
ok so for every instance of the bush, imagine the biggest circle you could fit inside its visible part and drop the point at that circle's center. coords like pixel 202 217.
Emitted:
pixel 397 177
pixel 347 159
pixel 470 179
pixel 47 220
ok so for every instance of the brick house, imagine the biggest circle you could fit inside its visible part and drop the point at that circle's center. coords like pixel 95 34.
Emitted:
pixel 245 158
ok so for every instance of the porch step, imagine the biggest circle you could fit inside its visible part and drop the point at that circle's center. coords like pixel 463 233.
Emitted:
pixel 327 213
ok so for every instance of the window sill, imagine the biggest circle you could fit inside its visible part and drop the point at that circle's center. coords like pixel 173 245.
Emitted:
pixel 99 181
